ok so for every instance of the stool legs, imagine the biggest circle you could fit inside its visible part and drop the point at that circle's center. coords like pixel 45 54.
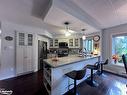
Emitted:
pixel 74 86
pixel 101 68
pixel 91 82
pixel 91 75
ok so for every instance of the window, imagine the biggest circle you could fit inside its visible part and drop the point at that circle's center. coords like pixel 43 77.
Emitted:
pixel 88 45
pixel 119 47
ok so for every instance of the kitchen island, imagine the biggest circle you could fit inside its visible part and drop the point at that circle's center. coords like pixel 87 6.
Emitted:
pixel 55 80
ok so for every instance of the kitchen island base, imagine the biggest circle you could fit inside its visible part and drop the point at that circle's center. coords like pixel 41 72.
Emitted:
pixel 55 80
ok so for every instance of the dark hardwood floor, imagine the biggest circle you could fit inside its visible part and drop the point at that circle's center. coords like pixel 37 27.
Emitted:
pixel 109 84
pixel 32 84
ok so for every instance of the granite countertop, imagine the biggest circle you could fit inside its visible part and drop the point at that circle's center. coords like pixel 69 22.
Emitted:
pixel 67 60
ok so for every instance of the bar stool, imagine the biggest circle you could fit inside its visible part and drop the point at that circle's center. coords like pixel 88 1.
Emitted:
pixel 76 75
pixel 102 63
pixel 91 82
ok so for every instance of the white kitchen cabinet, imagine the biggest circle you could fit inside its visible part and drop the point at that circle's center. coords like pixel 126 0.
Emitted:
pixel 72 42
pixel 54 43
pixel 24 53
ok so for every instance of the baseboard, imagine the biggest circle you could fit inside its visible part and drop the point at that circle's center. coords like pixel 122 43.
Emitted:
pixel 24 73
pixel 124 75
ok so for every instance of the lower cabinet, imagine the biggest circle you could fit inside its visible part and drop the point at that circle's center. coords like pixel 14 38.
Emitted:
pixel 24 60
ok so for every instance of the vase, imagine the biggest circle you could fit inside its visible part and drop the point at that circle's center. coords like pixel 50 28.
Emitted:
pixel 115 61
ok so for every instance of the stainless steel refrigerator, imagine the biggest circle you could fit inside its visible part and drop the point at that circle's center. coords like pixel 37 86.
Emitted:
pixel 42 53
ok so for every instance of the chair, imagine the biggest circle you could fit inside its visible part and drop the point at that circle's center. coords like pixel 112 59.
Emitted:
pixel 102 63
pixel 91 82
pixel 124 58
pixel 76 75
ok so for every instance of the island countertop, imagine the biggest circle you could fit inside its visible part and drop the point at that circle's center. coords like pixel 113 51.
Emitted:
pixel 67 60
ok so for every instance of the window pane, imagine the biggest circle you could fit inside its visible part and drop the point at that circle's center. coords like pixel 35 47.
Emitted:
pixel 88 45
pixel 119 47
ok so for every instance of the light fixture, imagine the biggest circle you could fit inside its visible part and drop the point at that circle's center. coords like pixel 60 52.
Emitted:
pixel 67 32
pixel 83 37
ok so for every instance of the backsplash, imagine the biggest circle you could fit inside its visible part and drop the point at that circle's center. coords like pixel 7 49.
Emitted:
pixel 73 50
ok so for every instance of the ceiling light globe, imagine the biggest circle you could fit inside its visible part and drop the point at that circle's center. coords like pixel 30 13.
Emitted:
pixel 83 37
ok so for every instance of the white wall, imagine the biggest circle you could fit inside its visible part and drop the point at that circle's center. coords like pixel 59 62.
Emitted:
pixel 107 39
pixel 99 42
pixel 107 42
pixel 7 69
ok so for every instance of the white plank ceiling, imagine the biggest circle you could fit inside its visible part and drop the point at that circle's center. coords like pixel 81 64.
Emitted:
pixel 107 12
pixel 93 15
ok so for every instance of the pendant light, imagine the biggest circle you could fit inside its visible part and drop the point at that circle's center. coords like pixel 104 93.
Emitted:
pixel 67 33
pixel 83 35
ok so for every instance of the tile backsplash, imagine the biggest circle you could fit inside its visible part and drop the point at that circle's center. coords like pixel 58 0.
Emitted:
pixel 73 50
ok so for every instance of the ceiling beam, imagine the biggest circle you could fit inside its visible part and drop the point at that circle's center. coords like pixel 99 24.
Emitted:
pixel 74 10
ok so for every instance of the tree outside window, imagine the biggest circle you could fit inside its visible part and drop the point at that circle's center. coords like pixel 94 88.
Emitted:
pixel 119 47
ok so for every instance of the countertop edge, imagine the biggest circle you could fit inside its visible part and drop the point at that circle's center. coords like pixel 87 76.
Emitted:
pixel 71 62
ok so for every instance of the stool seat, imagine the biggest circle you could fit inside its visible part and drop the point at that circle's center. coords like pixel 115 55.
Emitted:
pixel 92 67
pixel 76 75
pixel 71 74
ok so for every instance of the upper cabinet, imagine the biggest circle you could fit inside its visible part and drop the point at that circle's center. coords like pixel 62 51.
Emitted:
pixel 21 39
pixel 30 39
pixel 54 43
pixel 76 42
pixel 72 42
pixel 25 39
pixel 51 43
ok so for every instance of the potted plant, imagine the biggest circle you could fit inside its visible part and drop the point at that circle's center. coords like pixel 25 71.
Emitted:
pixel 115 58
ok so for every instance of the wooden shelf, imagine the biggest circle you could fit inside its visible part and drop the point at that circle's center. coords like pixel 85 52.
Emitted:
pixel 49 92
pixel 47 78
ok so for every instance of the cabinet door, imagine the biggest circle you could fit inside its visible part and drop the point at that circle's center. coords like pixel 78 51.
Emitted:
pixel 29 59
pixel 30 39
pixel 56 42
pixel 24 52
pixel 76 42
pixel 71 42
pixel 51 42
pixel 21 39
pixel 20 43
pixel 19 60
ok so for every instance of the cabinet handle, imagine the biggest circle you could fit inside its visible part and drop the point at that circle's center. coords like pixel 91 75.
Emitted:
pixel 25 57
